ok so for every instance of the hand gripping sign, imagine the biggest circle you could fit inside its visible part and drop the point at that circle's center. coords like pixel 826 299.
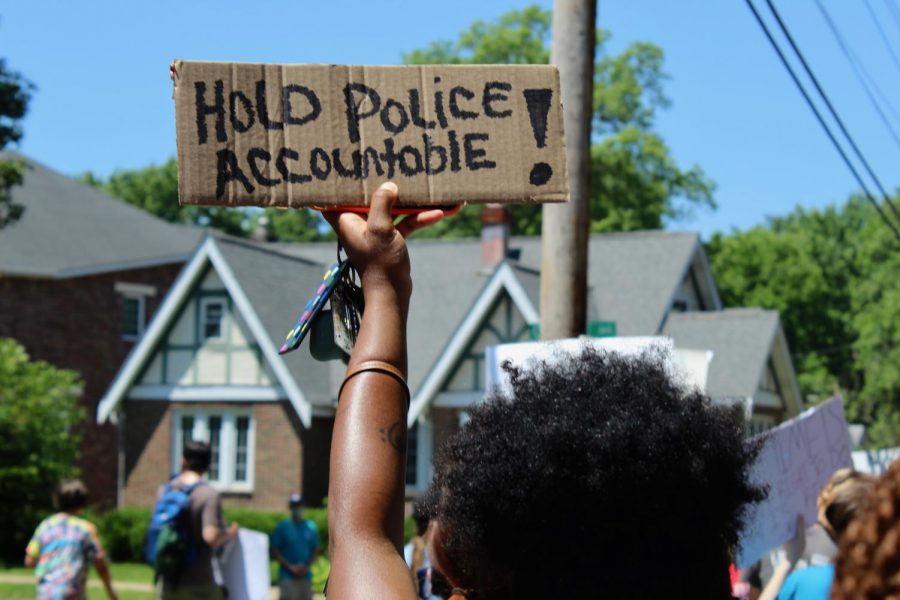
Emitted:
pixel 328 135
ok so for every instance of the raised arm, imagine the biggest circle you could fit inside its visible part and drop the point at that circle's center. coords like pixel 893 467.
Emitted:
pixel 368 449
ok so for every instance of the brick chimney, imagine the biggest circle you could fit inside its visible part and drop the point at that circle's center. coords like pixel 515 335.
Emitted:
pixel 263 231
pixel 495 227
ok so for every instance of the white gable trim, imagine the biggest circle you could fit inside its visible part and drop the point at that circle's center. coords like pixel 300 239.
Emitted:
pixel 792 396
pixel 295 395
pixel 708 276
pixel 685 271
pixel 215 393
pixel 504 278
pixel 207 252
pixel 144 348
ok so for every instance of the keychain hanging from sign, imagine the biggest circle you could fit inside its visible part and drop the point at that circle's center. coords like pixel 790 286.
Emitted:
pixel 339 285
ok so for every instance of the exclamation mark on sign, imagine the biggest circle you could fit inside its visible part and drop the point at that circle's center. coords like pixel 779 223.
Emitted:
pixel 538 102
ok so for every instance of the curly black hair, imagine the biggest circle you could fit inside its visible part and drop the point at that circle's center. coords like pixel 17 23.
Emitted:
pixel 597 475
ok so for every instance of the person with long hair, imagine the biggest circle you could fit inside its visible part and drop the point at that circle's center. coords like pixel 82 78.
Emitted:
pixel 868 561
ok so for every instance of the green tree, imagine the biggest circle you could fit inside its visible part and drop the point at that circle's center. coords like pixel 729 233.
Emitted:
pixel 875 315
pixel 635 182
pixel 831 273
pixel 155 189
pixel 15 92
pixel 298 225
pixel 38 413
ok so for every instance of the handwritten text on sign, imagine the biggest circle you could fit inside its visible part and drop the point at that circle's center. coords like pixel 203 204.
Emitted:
pixel 797 460
pixel 294 135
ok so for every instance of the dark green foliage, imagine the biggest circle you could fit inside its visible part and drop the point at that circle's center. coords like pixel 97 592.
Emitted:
pixel 38 413
pixel 155 189
pixel 15 93
pixel 832 273
pixel 636 183
pixel 123 531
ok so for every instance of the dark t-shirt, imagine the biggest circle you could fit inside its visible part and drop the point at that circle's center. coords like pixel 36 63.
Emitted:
pixel 820 550
pixel 205 507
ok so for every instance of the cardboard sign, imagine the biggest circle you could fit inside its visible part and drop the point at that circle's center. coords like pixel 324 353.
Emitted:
pixel 328 135
pixel 796 462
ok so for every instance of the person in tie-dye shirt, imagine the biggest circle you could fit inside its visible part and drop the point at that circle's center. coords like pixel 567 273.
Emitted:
pixel 64 546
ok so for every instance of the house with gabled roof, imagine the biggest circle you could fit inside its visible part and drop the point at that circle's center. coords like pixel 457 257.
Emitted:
pixel 81 274
pixel 751 358
pixel 175 333
pixel 208 365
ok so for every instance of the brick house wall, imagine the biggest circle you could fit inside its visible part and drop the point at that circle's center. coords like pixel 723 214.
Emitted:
pixel 445 422
pixel 76 324
pixel 282 464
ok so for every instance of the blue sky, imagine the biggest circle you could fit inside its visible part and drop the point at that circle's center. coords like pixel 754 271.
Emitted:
pixel 104 97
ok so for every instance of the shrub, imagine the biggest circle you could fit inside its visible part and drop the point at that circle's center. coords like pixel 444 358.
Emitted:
pixel 265 521
pixel 38 414
pixel 123 531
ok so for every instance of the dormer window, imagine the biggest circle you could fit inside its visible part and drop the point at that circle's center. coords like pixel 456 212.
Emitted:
pixel 212 314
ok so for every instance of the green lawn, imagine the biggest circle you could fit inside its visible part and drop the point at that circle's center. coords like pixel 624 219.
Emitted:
pixel 121 572
pixel 132 573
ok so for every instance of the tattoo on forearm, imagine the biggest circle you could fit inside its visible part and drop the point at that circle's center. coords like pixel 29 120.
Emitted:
pixel 395 435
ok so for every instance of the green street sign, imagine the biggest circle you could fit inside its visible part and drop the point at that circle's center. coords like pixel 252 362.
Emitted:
pixel 600 329
pixel 597 329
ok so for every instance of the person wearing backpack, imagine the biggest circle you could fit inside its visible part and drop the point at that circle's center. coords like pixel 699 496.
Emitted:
pixel 186 528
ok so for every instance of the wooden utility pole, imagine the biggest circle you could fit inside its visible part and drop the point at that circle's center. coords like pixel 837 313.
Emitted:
pixel 566 226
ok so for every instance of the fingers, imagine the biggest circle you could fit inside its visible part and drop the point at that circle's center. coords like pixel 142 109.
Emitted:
pixel 343 223
pixel 380 220
pixel 414 222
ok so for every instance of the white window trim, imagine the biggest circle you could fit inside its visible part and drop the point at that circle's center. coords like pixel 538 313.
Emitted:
pixel 228 440
pixel 141 315
pixel 134 289
pixel 424 468
pixel 204 303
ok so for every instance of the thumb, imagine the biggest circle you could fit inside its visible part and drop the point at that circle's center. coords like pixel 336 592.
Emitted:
pixel 380 220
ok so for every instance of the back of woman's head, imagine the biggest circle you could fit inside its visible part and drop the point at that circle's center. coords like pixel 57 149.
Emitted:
pixel 596 474
pixel 848 494
pixel 868 562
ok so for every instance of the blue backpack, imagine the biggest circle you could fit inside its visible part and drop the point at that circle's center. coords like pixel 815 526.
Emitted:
pixel 168 545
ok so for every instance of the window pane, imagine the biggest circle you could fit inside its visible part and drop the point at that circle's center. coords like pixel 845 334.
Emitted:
pixel 131 308
pixel 212 320
pixel 412 454
pixel 187 430
pixel 215 435
pixel 242 424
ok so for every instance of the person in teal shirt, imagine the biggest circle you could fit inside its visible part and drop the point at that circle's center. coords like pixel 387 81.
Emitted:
pixel 295 545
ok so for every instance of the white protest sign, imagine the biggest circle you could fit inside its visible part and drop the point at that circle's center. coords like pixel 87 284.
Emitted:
pixel 797 460
pixel 875 462
pixel 690 366
pixel 245 566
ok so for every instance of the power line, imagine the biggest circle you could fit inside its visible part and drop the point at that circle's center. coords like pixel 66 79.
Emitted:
pixel 862 75
pixel 830 106
pixel 818 115
pixel 884 38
